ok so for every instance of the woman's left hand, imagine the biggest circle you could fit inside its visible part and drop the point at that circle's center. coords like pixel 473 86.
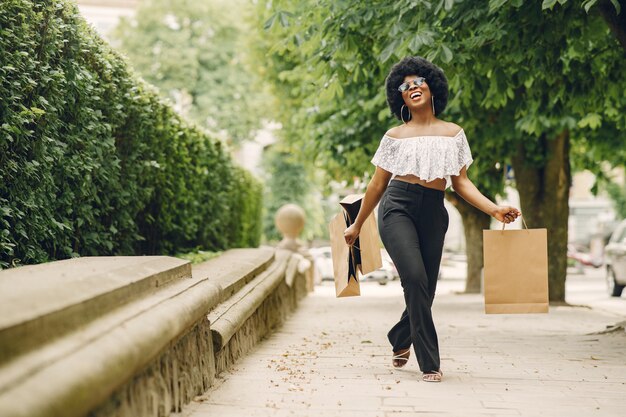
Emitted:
pixel 506 214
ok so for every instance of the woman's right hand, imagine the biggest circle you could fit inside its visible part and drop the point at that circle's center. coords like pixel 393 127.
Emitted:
pixel 506 214
pixel 351 234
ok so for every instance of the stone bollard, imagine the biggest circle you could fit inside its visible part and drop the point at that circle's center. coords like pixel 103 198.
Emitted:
pixel 290 220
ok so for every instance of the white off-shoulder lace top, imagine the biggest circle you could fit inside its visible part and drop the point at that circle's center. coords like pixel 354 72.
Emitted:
pixel 426 157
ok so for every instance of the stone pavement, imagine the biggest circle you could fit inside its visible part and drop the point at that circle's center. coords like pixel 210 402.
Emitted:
pixel 332 358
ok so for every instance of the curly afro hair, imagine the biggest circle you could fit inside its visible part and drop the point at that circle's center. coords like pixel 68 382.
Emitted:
pixel 416 65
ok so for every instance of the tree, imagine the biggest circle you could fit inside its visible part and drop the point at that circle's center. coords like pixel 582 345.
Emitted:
pixel 611 12
pixel 289 182
pixel 340 122
pixel 519 79
pixel 192 50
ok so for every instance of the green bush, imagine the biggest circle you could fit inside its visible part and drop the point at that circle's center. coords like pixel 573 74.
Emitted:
pixel 94 162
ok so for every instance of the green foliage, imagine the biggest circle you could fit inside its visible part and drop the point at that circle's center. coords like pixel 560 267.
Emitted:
pixel 586 4
pixel 93 162
pixel 192 49
pixel 289 182
pixel 618 195
pixel 196 257
pixel 330 71
pixel 519 72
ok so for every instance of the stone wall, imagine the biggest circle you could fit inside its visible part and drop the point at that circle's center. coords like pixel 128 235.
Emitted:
pixel 272 312
pixel 183 371
pixel 147 353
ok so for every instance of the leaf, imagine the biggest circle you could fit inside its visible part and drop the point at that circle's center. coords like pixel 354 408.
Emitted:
pixel 618 7
pixel 494 5
pixel 592 120
pixel 389 50
pixel 447 54
pixel 283 19
pixel 548 4
pixel 432 54
pixel 415 43
pixel 588 4
pixel 60 225
pixel 37 111
pixel 270 22
pixel 383 114
pixel 298 40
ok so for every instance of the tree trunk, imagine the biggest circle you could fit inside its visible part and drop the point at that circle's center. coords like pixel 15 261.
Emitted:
pixel 616 22
pixel 544 195
pixel 474 221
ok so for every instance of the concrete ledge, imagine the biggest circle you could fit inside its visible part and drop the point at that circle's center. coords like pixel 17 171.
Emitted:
pixel 234 268
pixel 31 362
pixel 229 316
pixel 138 341
pixel 272 311
pixel 64 295
pixel 101 366
pixel 183 371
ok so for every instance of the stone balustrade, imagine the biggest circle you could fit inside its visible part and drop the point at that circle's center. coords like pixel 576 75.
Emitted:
pixel 135 336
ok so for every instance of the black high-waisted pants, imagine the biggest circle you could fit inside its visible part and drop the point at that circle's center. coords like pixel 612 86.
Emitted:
pixel 412 221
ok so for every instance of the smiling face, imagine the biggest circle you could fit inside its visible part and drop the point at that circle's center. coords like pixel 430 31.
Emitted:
pixel 415 96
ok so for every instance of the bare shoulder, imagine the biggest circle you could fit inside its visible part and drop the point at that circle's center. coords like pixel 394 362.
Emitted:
pixel 451 128
pixel 396 131
pixel 442 128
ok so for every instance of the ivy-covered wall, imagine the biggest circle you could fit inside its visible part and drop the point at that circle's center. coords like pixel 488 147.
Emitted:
pixel 94 162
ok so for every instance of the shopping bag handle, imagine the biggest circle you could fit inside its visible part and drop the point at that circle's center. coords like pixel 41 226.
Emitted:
pixel 346 217
pixel 504 224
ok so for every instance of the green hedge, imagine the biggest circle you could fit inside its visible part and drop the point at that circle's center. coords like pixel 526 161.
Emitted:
pixel 94 162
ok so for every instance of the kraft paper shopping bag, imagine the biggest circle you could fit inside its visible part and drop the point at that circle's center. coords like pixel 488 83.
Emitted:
pixel 367 246
pixel 344 271
pixel 516 270
pixel 364 256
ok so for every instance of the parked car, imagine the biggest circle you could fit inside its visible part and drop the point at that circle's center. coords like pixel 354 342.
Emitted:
pixel 324 263
pixel 615 258
pixel 382 275
pixel 580 257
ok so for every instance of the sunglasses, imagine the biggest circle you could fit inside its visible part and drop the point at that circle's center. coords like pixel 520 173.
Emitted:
pixel 405 86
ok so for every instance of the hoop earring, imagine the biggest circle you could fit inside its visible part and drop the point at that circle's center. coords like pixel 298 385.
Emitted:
pixel 402 114
pixel 432 100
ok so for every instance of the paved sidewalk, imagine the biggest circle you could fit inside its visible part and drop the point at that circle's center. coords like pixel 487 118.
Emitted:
pixel 332 358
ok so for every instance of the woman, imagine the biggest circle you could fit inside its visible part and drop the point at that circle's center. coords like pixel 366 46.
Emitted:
pixel 422 157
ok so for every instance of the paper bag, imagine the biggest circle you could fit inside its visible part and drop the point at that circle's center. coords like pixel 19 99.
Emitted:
pixel 363 256
pixel 516 270
pixel 367 246
pixel 344 272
